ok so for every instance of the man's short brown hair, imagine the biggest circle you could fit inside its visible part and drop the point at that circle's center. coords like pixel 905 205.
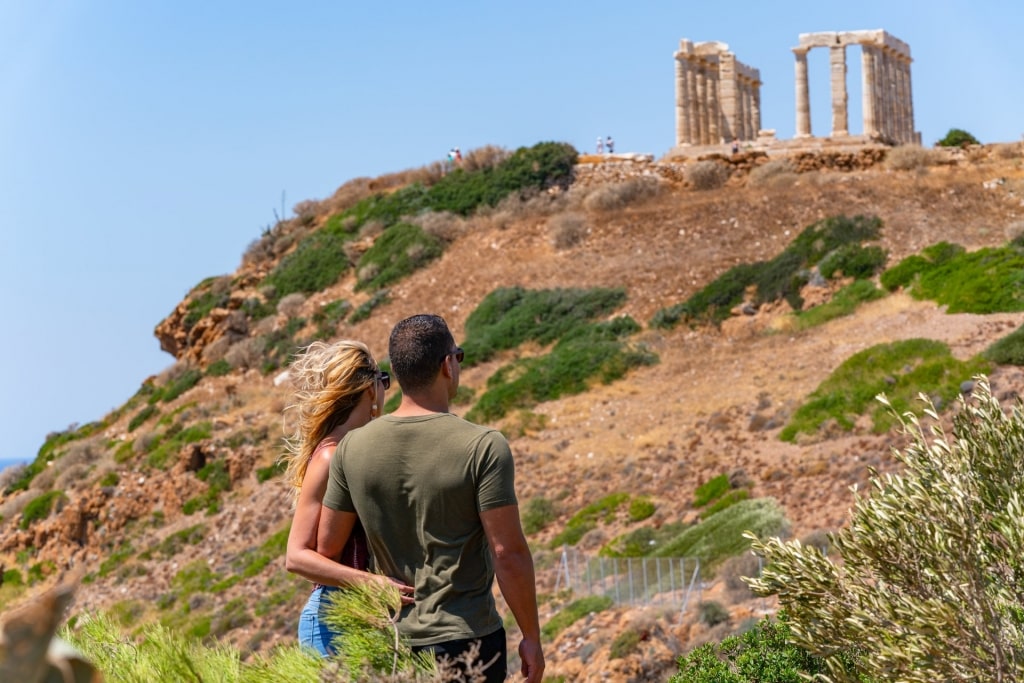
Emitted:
pixel 417 347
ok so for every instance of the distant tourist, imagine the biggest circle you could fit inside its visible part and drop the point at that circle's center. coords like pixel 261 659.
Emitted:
pixel 609 145
pixel 735 146
pixel 458 156
pixel 600 145
pixel 338 388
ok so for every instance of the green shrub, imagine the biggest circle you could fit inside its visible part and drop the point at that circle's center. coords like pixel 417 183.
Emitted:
pixel 174 543
pixel 904 272
pixel 211 293
pixel 316 264
pixel 853 260
pixel 12 577
pixel 280 345
pixel 624 644
pixel 720 536
pixel 573 612
pixel 110 479
pixel 510 316
pixel 275 469
pixel 901 369
pixel 379 298
pixel 781 277
pixel 140 417
pixel 1007 351
pixel 400 250
pixel 640 509
pixel 712 613
pixel 765 654
pixel 941 532
pixel 710 490
pixel 40 507
pixel 957 137
pixel 329 316
pixel 843 303
pixel 641 542
pixel 587 519
pixel 215 474
pixel 218 368
pixel 587 354
pixel 989 280
pixel 116 559
pixel 729 498
pixel 174 439
pixel 537 514
pixel 180 384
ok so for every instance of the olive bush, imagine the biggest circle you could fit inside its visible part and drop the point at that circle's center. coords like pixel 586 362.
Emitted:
pixel 930 585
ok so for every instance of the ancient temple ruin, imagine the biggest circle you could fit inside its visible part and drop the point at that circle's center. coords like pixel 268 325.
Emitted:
pixel 887 103
pixel 718 97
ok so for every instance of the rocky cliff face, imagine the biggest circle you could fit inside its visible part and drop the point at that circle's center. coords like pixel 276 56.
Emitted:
pixel 171 509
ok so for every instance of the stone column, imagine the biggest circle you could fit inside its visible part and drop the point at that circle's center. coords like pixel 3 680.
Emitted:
pixel 747 125
pixel 910 106
pixel 890 97
pixel 837 62
pixel 803 95
pixel 755 109
pixel 682 103
pixel 691 102
pixel 714 111
pixel 901 99
pixel 702 104
pixel 730 96
pixel 867 68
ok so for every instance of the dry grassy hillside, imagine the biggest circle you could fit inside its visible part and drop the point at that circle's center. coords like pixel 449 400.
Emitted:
pixel 713 404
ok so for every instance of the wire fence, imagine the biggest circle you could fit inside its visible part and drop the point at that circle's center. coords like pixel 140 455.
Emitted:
pixel 667 581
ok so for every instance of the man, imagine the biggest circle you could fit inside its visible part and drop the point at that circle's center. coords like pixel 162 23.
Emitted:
pixel 436 496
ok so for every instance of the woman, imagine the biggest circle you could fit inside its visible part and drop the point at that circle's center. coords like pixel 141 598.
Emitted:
pixel 338 388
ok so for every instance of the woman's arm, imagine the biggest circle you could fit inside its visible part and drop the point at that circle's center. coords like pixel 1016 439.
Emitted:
pixel 301 557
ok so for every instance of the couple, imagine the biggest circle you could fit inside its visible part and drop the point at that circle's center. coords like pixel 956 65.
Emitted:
pixel 428 495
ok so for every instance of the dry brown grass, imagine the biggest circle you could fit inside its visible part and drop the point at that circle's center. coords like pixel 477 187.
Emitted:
pixel 567 230
pixel 706 175
pixel 912 157
pixel 775 173
pixel 619 195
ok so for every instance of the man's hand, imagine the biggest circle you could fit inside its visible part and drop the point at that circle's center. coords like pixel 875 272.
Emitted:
pixel 533 660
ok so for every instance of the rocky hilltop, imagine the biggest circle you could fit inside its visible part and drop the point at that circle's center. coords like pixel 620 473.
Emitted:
pixel 171 508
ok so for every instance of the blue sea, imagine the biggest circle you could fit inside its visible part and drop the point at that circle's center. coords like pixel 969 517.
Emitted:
pixel 4 464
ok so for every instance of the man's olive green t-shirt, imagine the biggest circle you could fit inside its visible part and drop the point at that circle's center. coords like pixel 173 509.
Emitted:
pixel 419 485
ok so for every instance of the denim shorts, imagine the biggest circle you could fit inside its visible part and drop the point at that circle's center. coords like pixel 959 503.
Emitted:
pixel 313 633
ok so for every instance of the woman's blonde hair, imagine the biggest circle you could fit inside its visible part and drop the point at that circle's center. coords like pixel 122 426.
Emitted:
pixel 329 379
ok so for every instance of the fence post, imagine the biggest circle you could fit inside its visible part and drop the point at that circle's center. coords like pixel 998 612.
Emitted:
pixel 563 569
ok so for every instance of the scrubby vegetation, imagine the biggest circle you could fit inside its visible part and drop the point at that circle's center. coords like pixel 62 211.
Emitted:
pixel 720 535
pixel 957 137
pixel 943 536
pixel 765 654
pixel 901 369
pixel 989 280
pixel 834 242
pixel 584 351
pixel 320 258
pixel 844 302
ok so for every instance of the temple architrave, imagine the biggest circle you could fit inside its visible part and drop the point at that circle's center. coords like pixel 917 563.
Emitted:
pixel 887 101
pixel 718 97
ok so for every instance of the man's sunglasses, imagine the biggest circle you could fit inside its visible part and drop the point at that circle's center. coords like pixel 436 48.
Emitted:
pixel 458 353
pixel 385 379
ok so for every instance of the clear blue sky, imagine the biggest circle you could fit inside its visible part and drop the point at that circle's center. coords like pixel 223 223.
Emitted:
pixel 144 145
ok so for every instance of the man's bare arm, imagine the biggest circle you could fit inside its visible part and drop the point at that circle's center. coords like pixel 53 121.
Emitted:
pixel 513 567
